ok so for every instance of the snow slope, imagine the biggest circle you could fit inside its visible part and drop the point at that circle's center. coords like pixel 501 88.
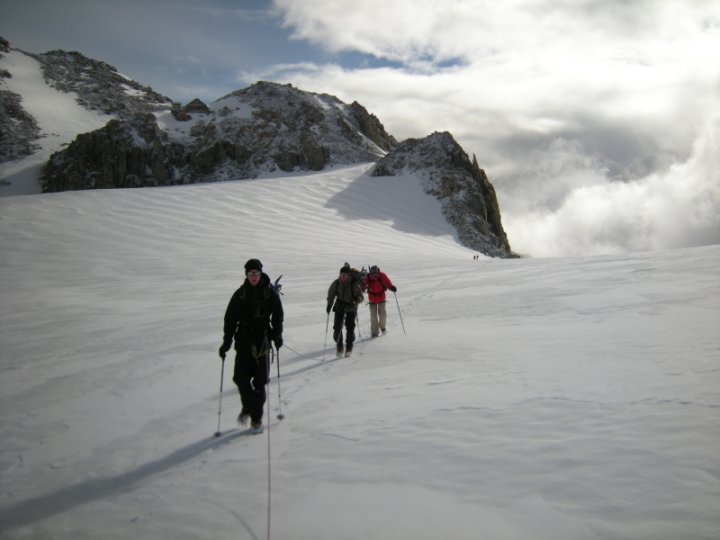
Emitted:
pixel 545 398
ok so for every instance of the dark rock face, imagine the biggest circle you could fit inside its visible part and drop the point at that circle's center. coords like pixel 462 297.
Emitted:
pixel 370 126
pixel 18 130
pixel 120 155
pixel 468 199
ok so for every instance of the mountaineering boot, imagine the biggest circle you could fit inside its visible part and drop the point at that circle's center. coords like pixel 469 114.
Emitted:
pixel 340 350
pixel 256 426
pixel 348 350
pixel 243 418
pixel 383 331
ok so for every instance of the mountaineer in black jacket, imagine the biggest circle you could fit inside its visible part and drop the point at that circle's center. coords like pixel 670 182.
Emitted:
pixel 254 318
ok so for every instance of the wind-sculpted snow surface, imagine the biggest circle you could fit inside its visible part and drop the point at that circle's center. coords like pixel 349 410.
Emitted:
pixel 529 398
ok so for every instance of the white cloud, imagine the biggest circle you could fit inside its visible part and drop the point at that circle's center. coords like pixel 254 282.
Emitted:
pixel 678 207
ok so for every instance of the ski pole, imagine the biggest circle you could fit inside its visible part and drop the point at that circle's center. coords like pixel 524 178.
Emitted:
pixel 327 325
pixel 400 312
pixel 280 415
pixel 269 462
pixel 357 319
pixel 222 373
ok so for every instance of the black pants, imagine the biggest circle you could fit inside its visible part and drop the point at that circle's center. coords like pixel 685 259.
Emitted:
pixel 251 376
pixel 347 314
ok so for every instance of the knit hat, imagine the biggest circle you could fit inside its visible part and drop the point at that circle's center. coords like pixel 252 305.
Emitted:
pixel 253 264
pixel 345 269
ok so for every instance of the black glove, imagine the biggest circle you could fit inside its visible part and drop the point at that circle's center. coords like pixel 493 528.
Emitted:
pixel 329 307
pixel 223 349
pixel 393 288
pixel 278 341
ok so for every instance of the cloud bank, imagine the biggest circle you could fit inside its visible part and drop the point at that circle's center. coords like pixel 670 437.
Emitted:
pixel 597 121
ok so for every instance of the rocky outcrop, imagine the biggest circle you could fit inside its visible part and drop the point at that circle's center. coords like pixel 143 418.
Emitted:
pixel 98 85
pixel 370 126
pixel 263 128
pixel 182 113
pixel 299 130
pixel 197 106
pixel 122 154
pixel 468 199
pixel 18 130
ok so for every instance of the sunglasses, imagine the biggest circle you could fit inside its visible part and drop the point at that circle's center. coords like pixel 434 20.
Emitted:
pixel 253 273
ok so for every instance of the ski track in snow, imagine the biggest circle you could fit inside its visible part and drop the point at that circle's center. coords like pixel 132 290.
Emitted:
pixel 539 398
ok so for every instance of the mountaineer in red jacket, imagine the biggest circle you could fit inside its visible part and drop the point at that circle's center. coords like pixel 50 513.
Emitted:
pixel 376 283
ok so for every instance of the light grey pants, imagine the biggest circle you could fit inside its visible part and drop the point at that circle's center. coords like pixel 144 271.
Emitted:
pixel 378 316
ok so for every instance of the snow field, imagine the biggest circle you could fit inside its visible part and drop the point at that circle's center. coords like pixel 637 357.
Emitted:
pixel 536 398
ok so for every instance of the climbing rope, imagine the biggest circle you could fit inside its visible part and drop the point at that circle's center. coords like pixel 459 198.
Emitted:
pixel 269 468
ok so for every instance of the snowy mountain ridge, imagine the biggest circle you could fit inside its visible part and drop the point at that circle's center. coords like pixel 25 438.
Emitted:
pixel 98 85
pixel 265 129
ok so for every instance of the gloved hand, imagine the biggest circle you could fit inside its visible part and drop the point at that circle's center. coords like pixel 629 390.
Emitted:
pixel 223 349
pixel 278 341
pixel 329 307
pixel 393 288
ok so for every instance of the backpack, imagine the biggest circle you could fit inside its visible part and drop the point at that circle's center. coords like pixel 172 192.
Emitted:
pixel 356 276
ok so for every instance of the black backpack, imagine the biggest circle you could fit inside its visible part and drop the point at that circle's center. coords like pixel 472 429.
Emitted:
pixel 356 275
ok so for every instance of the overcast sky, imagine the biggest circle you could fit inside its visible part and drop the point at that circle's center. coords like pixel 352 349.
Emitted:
pixel 598 121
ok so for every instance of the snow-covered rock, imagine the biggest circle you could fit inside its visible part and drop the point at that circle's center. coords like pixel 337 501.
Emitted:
pixel 265 128
pixel 468 198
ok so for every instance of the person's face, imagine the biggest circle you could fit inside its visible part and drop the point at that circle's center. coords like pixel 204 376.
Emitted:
pixel 253 277
pixel 344 277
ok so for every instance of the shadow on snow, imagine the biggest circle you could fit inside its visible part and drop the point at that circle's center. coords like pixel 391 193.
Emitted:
pixel 62 500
